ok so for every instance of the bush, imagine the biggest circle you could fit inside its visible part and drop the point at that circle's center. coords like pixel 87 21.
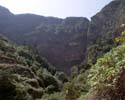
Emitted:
pixel 107 75
pixel 71 91
pixel 8 90
pixel 55 96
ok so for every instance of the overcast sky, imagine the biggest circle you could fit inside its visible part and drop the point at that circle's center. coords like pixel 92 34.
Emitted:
pixel 57 8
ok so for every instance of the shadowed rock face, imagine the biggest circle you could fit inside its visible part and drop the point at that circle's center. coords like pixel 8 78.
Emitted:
pixel 103 29
pixel 63 42
pixel 107 20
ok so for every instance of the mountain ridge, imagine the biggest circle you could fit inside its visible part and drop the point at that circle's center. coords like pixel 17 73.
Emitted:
pixel 50 35
pixel 62 29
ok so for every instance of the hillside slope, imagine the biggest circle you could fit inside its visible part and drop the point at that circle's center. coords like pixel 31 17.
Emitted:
pixel 106 78
pixel 23 75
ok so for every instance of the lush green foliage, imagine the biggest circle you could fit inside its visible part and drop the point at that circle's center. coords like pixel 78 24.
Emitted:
pixel 106 78
pixel 104 75
pixel 24 75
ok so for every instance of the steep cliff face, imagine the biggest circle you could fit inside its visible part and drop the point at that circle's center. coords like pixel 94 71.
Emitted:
pixel 61 41
pixel 103 29
pixel 65 42
pixel 107 20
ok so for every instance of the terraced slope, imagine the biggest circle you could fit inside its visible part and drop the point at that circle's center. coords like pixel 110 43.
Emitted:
pixel 23 75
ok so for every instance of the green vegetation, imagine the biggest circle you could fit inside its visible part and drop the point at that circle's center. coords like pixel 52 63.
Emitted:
pixel 106 78
pixel 23 76
pixel 107 74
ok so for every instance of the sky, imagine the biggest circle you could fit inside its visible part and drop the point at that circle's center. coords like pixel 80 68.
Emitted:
pixel 56 8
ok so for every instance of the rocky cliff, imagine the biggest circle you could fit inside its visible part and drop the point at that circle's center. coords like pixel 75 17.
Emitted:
pixel 61 41
pixel 65 42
